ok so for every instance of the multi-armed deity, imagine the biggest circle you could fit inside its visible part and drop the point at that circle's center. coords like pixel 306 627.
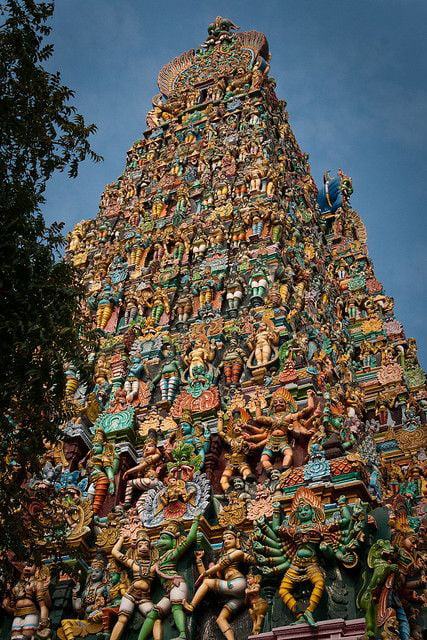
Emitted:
pixel 250 452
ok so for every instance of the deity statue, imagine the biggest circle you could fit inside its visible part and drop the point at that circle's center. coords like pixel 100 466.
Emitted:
pixel 140 563
pixel 233 362
pixel 103 303
pixel 263 345
pixel 184 305
pixel 169 375
pixel 159 304
pixel 28 601
pixel 259 283
pixel 272 432
pixel 200 357
pixel 257 605
pixel 234 293
pixel 293 548
pixel 171 549
pixel 206 288
pixel 90 603
pixel 135 373
pixel 117 584
pixel 193 433
pixel 102 463
pixel 224 577
pixel 146 471
pixel 236 458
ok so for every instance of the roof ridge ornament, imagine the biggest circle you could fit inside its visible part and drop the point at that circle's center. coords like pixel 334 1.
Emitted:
pixel 220 30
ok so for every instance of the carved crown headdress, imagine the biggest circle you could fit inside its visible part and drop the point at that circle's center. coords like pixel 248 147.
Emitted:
pixel 305 496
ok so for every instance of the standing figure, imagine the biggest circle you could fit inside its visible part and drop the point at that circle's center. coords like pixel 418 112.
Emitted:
pixel 200 357
pixel 258 606
pixel 236 458
pixel 135 373
pixel 258 283
pixel 207 287
pixel 264 346
pixel 174 585
pixel 142 568
pixel 234 293
pixel 159 304
pixel 184 306
pixel 103 303
pixel 224 577
pixel 102 463
pixel 29 602
pixel 169 374
pixel 233 362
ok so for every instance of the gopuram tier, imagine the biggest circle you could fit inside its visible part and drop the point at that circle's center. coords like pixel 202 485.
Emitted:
pixel 250 452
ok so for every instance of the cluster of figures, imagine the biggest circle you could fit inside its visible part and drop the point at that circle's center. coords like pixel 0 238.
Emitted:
pixel 256 413
pixel 293 546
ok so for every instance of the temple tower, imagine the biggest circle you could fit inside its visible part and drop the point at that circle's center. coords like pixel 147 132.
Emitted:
pixel 255 402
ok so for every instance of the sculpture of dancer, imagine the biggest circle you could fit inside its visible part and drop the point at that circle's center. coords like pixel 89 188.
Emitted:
pixel 224 577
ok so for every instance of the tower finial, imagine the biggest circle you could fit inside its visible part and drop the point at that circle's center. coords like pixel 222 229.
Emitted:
pixel 220 30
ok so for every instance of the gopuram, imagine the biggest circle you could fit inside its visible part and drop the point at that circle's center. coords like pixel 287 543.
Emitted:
pixel 249 458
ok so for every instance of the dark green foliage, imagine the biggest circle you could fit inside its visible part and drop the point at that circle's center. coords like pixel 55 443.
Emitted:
pixel 40 329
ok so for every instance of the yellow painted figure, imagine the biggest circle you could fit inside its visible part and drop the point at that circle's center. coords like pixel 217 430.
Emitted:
pixel 294 546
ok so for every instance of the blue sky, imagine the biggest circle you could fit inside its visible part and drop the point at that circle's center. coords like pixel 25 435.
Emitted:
pixel 354 74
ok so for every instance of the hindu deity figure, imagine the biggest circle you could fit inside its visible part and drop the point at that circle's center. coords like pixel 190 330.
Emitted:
pixel 199 245
pixel 159 304
pixel 272 432
pixel 117 584
pixel 224 577
pixel 200 357
pixel 77 235
pixel 103 303
pixel 135 250
pixel 140 563
pixel 207 287
pixel 184 305
pixel 236 457
pixel 131 308
pixel 233 362
pixel 377 597
pixel 263 345
pixel 241 81
pixel 191 433
pixel 135 373
pixel 171 549
pixel 90 603
pixel 183 202
pixel 102 464
pixel 259 283
pixel 169 375
pixel 29 602
pixel 293 548
pixel 278 224
pixel 257 605
pixel 260 70
pixel 146 471
pixel 237 233
pixel 234 293
pixel 159 205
